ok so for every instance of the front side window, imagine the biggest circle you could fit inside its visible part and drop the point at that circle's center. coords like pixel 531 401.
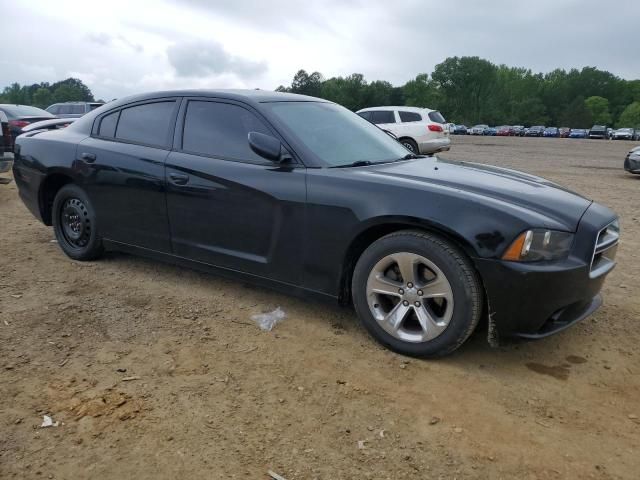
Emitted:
pixel 54 109
pixel 147 124
pixel 221 130
pixel 335 135
pixel 410 117
pixel 365 115
pixel 382 116
pixel 77 109
pixel 64 110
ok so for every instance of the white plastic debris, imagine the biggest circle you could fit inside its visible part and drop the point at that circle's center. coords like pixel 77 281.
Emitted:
pixel 266 321
pixel 47 421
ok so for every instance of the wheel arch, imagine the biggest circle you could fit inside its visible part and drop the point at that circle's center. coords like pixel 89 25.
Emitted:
pixel 380 227
pixel 49 187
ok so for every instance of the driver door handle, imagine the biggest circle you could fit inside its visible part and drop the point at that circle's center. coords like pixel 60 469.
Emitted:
pixel 179 178
pixel 88 157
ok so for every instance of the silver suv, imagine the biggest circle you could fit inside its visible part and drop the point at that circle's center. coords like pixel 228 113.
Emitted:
pixel 72 109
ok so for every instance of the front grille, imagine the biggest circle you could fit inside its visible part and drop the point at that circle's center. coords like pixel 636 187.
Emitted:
pixel 604 253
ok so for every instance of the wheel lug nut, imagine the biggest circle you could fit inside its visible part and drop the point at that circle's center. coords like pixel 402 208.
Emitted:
pixel 410 285
pixel 401 292
pixel 405 303
pixel 420 292
pixel 417 304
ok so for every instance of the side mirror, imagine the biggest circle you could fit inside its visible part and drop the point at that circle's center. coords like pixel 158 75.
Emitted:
pixel 266 146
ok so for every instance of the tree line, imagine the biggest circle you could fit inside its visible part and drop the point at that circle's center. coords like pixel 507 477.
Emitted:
pixel 471 90
pixel 44 94
pixel 468 90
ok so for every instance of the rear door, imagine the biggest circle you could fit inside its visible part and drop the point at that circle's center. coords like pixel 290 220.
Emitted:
pixel 227 206
pixel 122 164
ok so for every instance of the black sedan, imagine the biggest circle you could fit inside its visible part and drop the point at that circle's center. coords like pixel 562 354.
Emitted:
pixel 302 195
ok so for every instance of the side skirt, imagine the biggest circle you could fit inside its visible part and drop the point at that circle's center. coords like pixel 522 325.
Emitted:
pixel 282 287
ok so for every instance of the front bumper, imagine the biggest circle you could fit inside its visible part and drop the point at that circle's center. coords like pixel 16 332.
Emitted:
pixel 534 300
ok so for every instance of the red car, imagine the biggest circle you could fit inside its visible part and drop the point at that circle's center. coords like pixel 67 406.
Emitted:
pixel 504 131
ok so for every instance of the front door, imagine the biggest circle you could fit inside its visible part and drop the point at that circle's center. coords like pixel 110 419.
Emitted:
pixel 227 206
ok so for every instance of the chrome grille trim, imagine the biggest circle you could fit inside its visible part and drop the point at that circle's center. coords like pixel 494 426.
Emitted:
pixel 606 243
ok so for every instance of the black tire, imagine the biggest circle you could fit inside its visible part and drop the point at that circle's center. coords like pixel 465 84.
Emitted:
pixel 410 145
pixel 75 224
pixel 458 270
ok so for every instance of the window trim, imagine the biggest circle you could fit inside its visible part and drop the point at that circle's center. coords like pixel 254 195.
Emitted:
pixel 170 133
pixel 181 122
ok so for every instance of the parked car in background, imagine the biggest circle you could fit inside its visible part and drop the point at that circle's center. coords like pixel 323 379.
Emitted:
pixel 610 133
pixel 5 161
pixel 504 131
pixel 479 129
pixel 623 134
pixel 20 116
pixel 578 133
pixel 551 132
pixel 490 131
pixel 423 248
pixel 598 131
pixel 72 109
pixel 636 134
pixel 518 130
pixel 632 161
pixel 420 130
pixel 564 132
pixel 460 130
pixel 535 131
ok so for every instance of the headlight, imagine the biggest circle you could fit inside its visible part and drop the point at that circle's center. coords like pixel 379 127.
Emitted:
pixel 537 245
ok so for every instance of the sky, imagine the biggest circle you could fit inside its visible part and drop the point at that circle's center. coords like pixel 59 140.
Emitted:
pixel 123 47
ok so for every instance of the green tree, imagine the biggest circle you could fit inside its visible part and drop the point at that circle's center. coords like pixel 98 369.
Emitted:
pixel 42 98
pixel 630 117
pixel 576 115
pixel 599 108
pixel 466 84
pixel 306 84
pixel 422 92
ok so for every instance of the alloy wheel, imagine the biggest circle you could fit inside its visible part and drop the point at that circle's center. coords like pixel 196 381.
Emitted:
pixel 410 297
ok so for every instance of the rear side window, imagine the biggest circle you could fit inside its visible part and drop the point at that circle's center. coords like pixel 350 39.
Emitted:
pixel 410 117
pixel 108 125
pixel 147 124
pixel 365 115
pixel 221 130
pixel 382 116
pixel 436 117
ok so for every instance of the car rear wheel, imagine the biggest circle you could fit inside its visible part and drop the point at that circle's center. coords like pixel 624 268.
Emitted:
pixel 410 145
pixel 417 294
pixel 75 225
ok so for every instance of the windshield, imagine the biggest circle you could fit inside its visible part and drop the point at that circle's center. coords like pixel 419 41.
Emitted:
pixel 336 135
pixel 17 111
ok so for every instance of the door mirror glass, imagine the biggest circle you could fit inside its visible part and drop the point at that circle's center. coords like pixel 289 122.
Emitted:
pixel 265 145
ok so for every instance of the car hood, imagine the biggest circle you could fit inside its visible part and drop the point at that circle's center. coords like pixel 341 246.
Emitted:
pixel 510 186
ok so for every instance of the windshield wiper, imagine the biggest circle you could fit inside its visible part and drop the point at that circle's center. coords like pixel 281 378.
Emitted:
pixel 359 163
pixel 409 156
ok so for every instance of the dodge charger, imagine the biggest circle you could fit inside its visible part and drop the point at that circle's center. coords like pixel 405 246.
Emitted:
pixel 302 195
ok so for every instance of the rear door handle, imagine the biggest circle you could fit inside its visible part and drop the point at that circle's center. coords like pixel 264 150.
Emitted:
pixel 179 178
pixel 88 157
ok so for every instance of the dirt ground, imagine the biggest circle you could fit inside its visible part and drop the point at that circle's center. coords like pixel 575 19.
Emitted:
pixel 157 372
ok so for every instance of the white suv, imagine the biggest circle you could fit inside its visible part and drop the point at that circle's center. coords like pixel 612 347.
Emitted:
pixel 421 130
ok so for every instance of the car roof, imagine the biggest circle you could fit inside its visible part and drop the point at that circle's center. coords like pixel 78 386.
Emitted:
pixel 403 108
pixel 250 96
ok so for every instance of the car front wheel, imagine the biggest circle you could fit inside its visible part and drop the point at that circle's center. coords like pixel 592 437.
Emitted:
pixel 417 294
pixel 75 224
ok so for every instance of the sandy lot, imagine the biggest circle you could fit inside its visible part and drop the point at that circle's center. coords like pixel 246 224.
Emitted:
pixel 213 397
